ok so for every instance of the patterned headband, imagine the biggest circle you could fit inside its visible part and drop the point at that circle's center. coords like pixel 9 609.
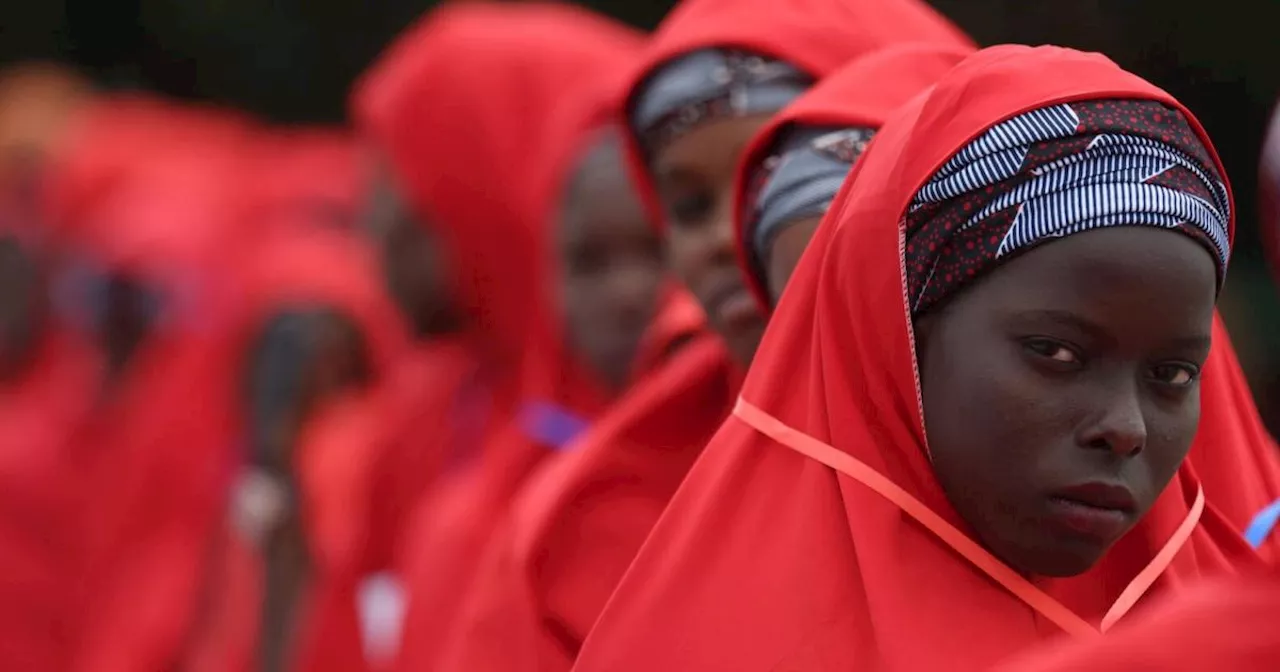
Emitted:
pixel 710 84
pixel 801 178
pixel 1054 172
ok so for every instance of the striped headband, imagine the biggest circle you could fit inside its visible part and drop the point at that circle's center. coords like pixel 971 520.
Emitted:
pixel 710 84
pixel 1057 171
pixel 797 179
pixel 800 179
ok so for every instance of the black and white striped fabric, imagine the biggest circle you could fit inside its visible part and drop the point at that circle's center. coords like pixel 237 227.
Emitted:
pixel 1057 171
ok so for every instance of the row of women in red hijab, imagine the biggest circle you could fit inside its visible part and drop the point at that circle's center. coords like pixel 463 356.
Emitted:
pixel 993 414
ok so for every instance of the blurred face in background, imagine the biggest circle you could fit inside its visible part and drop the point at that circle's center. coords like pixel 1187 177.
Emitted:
pixel 300 357
pixel 414 266
pixel 130 309
pixel 694 177
pixel 610 261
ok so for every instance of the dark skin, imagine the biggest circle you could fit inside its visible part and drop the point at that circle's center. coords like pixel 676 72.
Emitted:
pixel 784 252
pixel 611 264
pixel 302 357
pixel 1075 362
pixel 415 268
pixel 21 306
pixel 131 307
pixel 694 178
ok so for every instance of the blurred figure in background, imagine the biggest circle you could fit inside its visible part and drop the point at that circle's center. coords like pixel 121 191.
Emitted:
pixel 146 193
pixel 488 204
pixel 604 264
pixel 47 376
pixel 314 336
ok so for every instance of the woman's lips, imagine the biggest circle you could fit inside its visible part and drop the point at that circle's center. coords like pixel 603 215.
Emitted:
pixel 1099 510
pixel 736 308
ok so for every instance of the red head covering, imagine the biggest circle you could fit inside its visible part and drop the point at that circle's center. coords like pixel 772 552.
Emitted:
pixel 465 107
pixel 862 94
pixel 813 533
pixel 816 36
pixel 460 107
pixel 1220 625
pixel 149 190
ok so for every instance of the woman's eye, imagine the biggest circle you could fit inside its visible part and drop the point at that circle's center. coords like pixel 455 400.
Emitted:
pixel 1054 350
pixel 689 209
pixel 1178 375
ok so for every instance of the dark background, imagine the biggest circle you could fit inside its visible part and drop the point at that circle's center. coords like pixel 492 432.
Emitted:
pixel 292 61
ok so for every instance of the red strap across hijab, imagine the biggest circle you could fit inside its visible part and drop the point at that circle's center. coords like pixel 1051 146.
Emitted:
pixel 813 534
pixel 1219 625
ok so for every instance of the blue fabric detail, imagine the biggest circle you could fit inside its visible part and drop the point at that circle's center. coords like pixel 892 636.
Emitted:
pixel 1262 525
pixel 551 425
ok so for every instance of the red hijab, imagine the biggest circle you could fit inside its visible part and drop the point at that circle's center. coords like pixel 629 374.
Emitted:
pixel 813 534
pixel 815 36
pixel 464 107
pixel 148 190
pixel 1220 625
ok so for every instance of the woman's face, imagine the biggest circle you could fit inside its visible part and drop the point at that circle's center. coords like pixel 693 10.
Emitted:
pixel 1061 392
pixel 414 268
pixel 611 265
pixel 784 254
pixel 694 177
pixel 302 356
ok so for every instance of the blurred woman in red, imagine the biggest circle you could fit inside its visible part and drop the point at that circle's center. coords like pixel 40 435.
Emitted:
pixel 145 191
pixel 462 109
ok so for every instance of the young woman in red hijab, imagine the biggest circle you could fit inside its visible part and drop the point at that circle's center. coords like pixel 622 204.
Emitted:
pixel 499 73
pixel 1023 269
pixel 580 522
pixel 793 170
pixel 1219 625
pixel 715 72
